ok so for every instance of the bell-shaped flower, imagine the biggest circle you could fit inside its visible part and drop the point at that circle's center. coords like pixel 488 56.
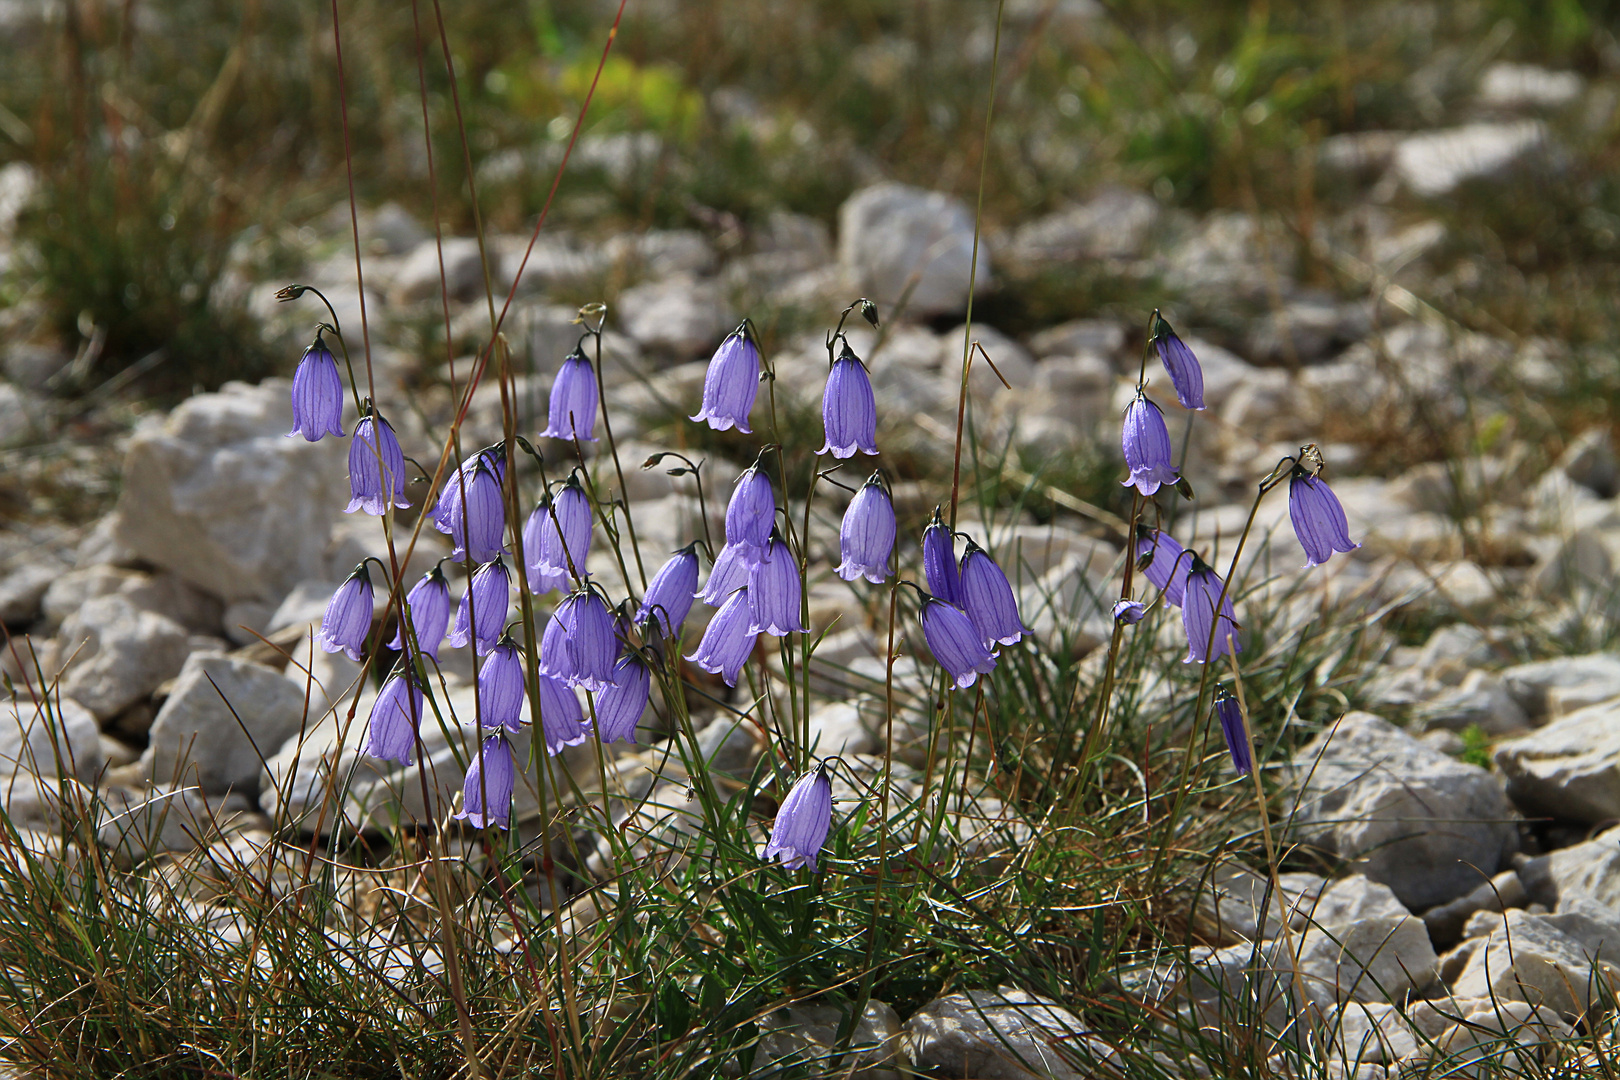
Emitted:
pixel 866 535
pixel 1146 442
pixel 476 516
pixel 559 541
pixel 1180 363
pixel 775 593
pixel 988 599
pixel 1318 518
pixel 446 508
pixel 571 412
pixel 619 707
pixel 486 796
pixel 1230 713
pixel 848 409
pixel 562 720
pixel 955 642
pixel 428 606
pixel 800 830
pixel 939 561
pixel 728 639
pixel 555 659
pixel 592 643
pixel 376 467
pixel 731 383
pixel 481 616
pixel 1129 612
pixel 317 394
pixel 396 717
pixel 347 621
pixel 669 594
pixel 500 686
pixel 1167 562
pixel 728 574
pixel 751 514
pixel 1199 619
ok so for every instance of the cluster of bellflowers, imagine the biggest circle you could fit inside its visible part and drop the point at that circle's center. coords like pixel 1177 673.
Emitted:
pixel 1183 579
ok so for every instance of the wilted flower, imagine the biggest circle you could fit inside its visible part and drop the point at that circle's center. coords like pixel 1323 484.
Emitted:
pixel 955 642
pixel 557 538
pixel 476 519
pixel 669 595
pixel 1198 616
pixel 1129 612
pixel 939 561
pixel 848 409
pixel 988 599
pixel 1146 442
pixel 592 644
pixel 376 467
pixel 348 616
pixel 1230 713
pixel 571 412
pixel 1318 518
pixel 775 593
pixel 731 383
pixel 728 639
pixel 1168 562
pixel 428 603
pixel 395 718
pixel 751 515
pixel 800 829
pixel 500 686
pixel 619 707
pixel 486 797
pixel 482 613
pixel 1185 374
pixel 317 394
pixel 562 721
pixel 866 536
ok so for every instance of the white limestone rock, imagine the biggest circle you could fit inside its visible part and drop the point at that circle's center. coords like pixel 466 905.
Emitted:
pixel 890 232
pixel 222 719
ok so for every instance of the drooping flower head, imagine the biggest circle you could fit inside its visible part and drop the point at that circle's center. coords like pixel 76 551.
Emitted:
pixel 728 574
pixel 376 467
pixel 731 383
pixel 571 412
pixel 476 518
pixel 775 593
pixel 848 409
pixel 317 394
pixel 619 707
pixel 939 561
pixel 428 604
pixel 955 642
pixel 562 720
pixel 670 593
pixel 557 538
pixel 347 621
pixel 396 716
pixel 1229 711
pixel 1198 615
pixel 592 643
pixel 728 639
pixel 486 796
pixel 1129 612
pixel 1146 442
pixel 866 535
pixel 1185 373
pixel 751 514
pixel 482 614
pixel 988 599
pixel 500 686
pixel 1318 518
pixel 1163 561
pixel 555 659
pixel 800 830
pixel 446 508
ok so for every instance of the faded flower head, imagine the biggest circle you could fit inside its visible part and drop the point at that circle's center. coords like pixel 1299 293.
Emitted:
pixel 848 409
pixel 1185 373
pixel 728 639
pixel 731 383
pixel 955 642
pixel 396 716
pixel 347 621
pixel 486 796
pixel 317 394
pixel 428 604
pixel 1318 518
pixel 800 830
pixel 376 467
pixel 571 412
pixel 866 536
pixel 1146 442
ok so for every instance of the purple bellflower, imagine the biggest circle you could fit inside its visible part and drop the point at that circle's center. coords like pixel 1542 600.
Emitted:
pixel 866 536
pixel 731 383
pixel 619 707
pixel 728 574
pixel 800 830
pixel 562 721
pixel 571 412
pixel 1146 442
pixel 376 467
pixel 317 394
pixel 428 603
pixel 848 409
pixel 1129 612
pixel 939 561
pixel 1168 567
pixel 447 506
pixel 775 593
pixel 486 797
pixel 554 658
pixel 396 716
pixel 557 538
pixel 751 514
pixel 1185 374
pixel 1230 713
pixel 1198 617
pixel 988 599
pixel 500 686
pixel 592 642
pixel 1318 517
pixel 348 616
pixel 955 642
pixel 477 522
pixel 481 615
pixel 728 639
pixel 669 595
